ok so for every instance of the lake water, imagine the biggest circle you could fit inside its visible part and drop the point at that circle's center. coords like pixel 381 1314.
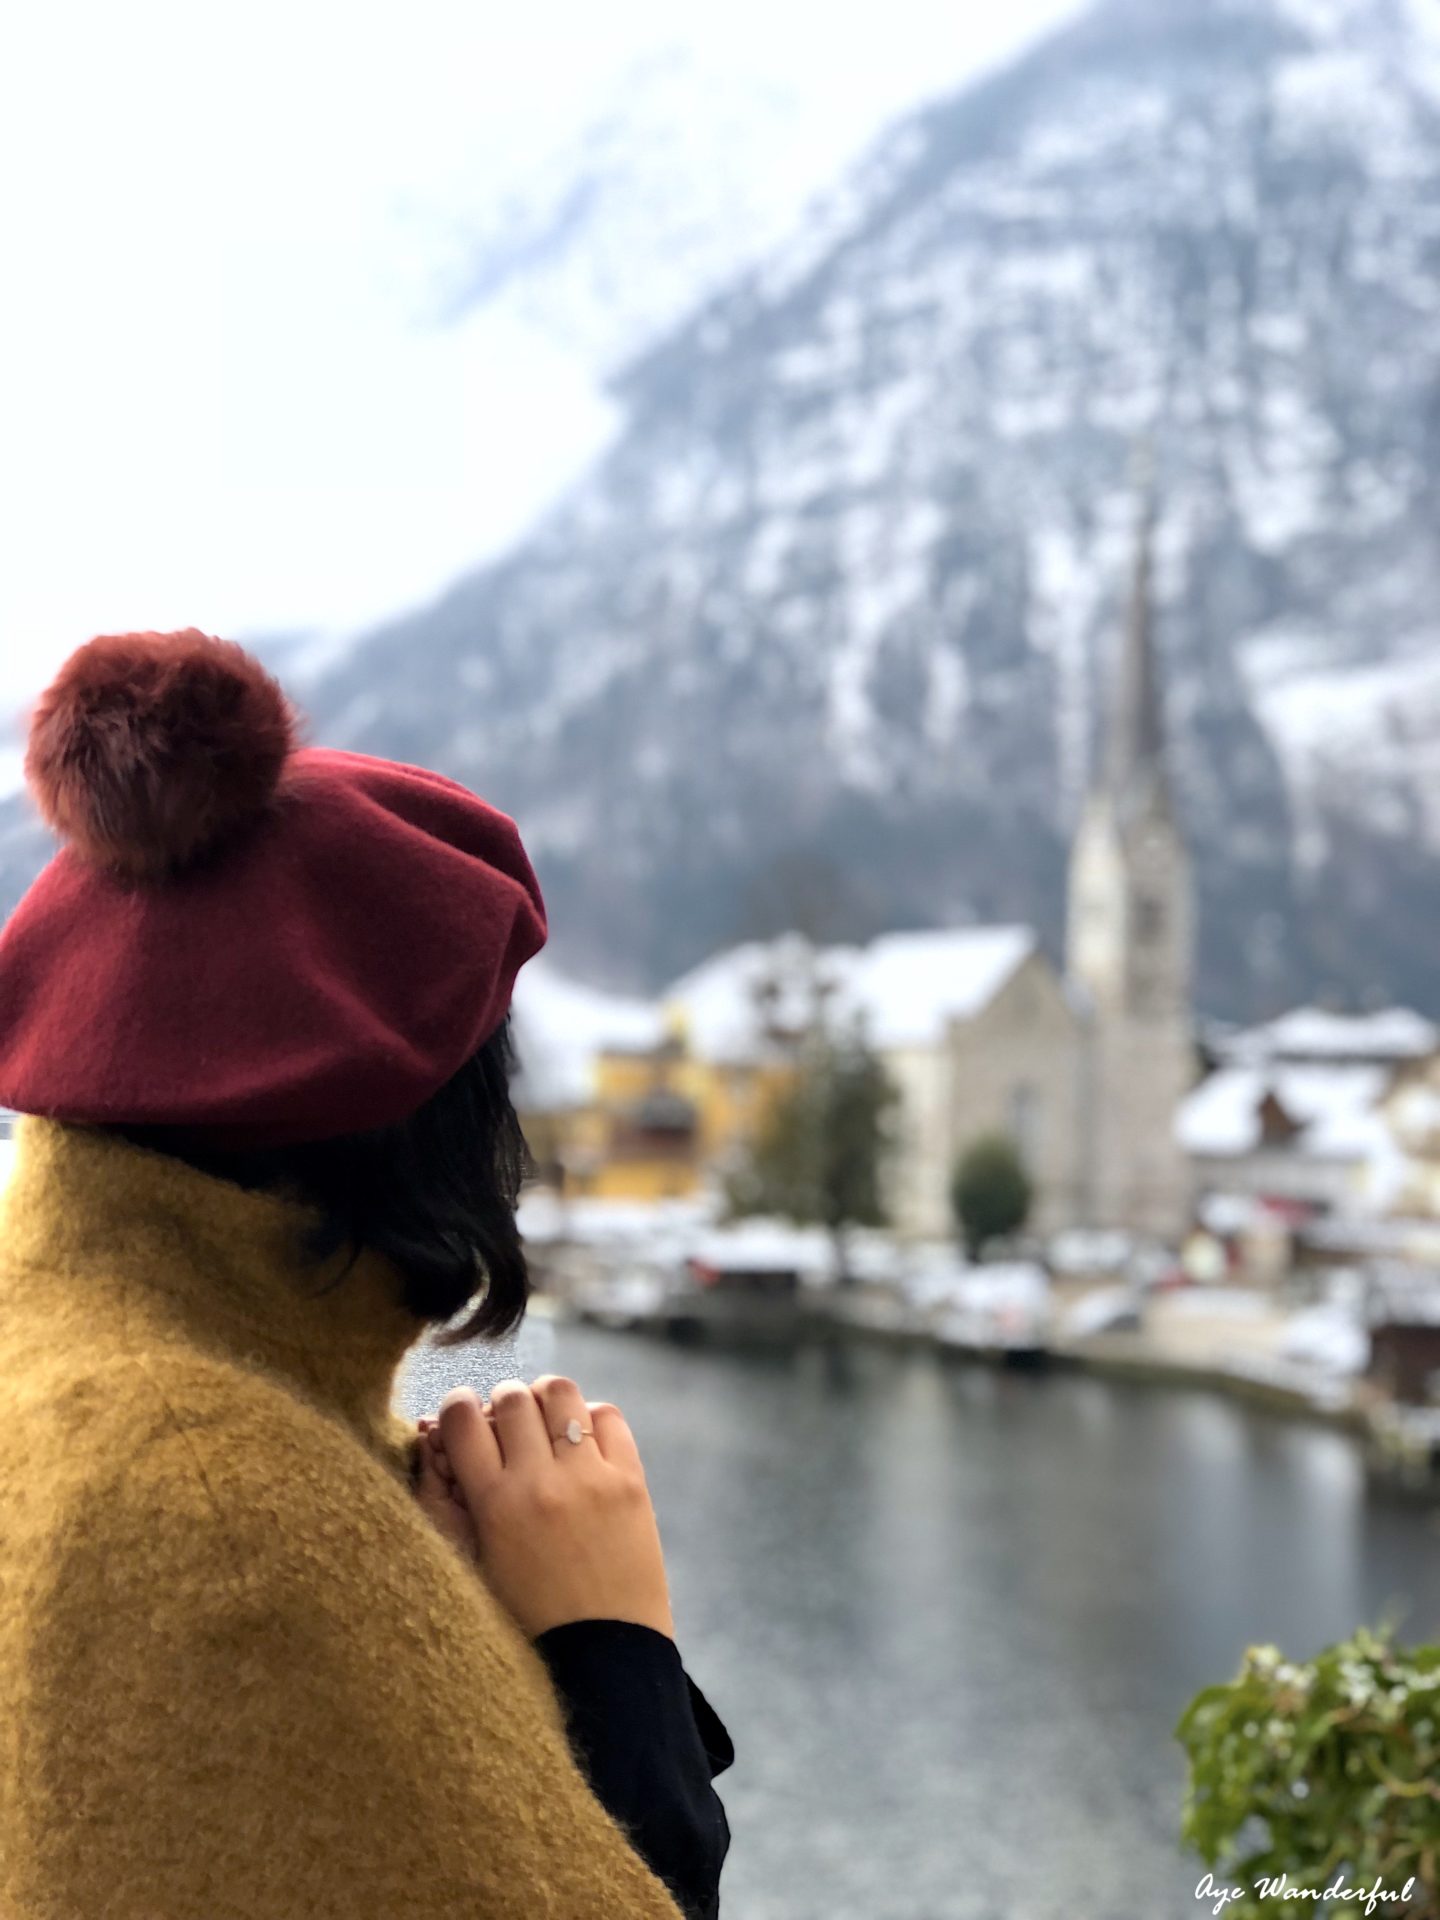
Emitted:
pixel 951 1615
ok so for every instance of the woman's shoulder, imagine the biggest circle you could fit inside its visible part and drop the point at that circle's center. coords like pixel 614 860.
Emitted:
pixel 279 1643
pixel 198 1390
pixel 259 1447
pixel 105 1426
pixel 153 1413
pixel 175 1445
pixel 244 1488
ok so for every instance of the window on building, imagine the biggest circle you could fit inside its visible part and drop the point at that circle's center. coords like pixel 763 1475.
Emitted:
pixel 1149 917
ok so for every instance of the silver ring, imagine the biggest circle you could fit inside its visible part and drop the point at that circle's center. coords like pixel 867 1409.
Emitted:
pixel 574 1432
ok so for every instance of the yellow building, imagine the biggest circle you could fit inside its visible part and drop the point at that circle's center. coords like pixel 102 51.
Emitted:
pixel 658 1122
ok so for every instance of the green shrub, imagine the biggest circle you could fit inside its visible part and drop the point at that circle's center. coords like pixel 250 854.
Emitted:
pixel 990 1192
pixel 1326 1773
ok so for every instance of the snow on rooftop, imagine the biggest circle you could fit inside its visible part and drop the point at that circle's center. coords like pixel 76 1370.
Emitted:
pixel 763 1245
pixel 1332 1105
pixel 907 986
pixel 1404 1296
pixel 1314 1033
pixel 728 1000
pixel 646 1228
pixel 911 985
pixel 1221 1116
pixel 560 1025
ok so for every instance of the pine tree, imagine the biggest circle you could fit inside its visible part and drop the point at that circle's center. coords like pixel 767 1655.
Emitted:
pixel 819 1160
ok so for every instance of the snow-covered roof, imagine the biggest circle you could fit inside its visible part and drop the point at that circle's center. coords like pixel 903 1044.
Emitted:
pixel 560 1026
pixel 1332 1106
pixel 1404 1296
pixel 642 1228
pixel 763 1245
pixel 1354 1235
pixel 911 985
pixel 1328 1337
pixel 1315 1034
pixel 727 1000
pixel 906 986
pixel 1228 1213
pixel 1221 1115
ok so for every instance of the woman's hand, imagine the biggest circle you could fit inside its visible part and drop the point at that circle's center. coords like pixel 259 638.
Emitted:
pixel 440 1499
pixel 561 1531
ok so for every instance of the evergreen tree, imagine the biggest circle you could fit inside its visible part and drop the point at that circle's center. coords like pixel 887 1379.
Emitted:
pixel 819 1159
pixel 990 1192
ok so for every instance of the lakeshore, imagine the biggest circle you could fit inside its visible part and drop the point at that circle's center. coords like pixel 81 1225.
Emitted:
pixel 1231 1340
pixel 951 1610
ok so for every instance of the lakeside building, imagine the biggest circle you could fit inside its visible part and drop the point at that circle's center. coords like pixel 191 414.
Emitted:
pixel 978 1029
pixel 1314 1124
pixel 617 1102
pixel 1331 1113
pixel 973 1025
pixel 1129 943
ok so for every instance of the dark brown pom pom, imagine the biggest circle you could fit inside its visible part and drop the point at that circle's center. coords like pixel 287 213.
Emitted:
pixel 148 750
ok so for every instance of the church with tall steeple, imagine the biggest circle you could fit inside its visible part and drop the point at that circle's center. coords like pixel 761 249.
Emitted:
pixel 1084 1068
pixel 979 1031
pixel 1128 949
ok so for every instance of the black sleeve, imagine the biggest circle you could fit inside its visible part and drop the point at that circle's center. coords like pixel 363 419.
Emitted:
pixel 650 1743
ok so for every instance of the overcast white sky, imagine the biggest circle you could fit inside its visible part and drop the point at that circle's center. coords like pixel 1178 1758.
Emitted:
pixel 229 396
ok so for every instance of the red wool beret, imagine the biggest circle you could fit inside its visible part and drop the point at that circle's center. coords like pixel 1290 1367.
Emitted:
pixel 273 942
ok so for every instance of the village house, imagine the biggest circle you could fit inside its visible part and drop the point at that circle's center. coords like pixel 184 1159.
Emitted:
pixel 1305 1112
pixel 978 1028
pixel 617 1102
pixel 972 1025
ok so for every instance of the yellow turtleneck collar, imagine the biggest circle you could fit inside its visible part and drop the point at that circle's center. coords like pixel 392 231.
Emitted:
pixel 182 1253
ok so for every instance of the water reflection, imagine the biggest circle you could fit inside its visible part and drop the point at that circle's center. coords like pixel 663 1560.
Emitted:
pixel 952 1614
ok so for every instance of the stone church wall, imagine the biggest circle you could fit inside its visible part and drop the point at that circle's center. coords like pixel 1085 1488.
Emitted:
pixel 1013 1069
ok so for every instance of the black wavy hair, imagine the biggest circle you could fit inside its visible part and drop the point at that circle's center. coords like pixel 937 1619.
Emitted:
pixel 435 1193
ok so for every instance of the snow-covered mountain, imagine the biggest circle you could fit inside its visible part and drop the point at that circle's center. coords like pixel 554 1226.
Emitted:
pixel 837 608
pixel 691 163
pixel 824 637
pixel 678 181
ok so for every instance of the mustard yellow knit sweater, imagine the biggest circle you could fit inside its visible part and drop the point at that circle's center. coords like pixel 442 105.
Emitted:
pixel 241 1676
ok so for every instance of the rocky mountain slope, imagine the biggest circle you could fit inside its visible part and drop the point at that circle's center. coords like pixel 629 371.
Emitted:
pixel 825 638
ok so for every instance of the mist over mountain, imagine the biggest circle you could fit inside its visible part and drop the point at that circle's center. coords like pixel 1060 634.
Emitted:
pixel 825 636
pixel 679 181
pixel 700 155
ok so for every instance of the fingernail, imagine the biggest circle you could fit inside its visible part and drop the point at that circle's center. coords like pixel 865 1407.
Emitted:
pixel 460 1396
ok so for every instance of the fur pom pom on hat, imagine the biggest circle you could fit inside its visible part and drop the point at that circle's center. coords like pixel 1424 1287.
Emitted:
pixel 148 750
pixel 268 941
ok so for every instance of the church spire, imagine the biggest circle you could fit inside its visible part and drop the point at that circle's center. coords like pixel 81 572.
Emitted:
pixel 1130 940
pixel 1134 776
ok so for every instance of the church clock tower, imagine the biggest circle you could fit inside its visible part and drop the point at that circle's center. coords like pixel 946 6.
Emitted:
pixel 1129 951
